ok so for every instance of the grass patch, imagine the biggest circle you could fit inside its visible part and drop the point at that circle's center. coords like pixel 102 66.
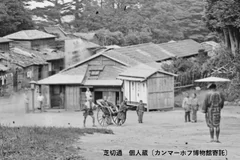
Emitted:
pixel 42 143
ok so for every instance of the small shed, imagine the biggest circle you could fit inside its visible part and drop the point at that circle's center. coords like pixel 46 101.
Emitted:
pixel 153 86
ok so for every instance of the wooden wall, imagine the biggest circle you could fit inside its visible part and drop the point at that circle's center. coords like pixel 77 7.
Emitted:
pixel 4 46
pixel 50 42
pixel 101 60
pixel 72 97
pixel 160 91
pixel 24 44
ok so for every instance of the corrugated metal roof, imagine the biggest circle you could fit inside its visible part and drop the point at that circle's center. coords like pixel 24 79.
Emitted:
pixel 184 48
pixel 81 70
pixel 139 71
pixel 29 35
pixel 62 79
pixel 122 57
pixel 142 71
pixel 144 53
pixel 92 57
pixel 4 40
pixel 103 83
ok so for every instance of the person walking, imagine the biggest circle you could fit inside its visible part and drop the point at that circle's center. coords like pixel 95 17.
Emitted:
pixel 122 112
pixel 194 107
pixel 140 110
pixel 212 106
pixel 186 105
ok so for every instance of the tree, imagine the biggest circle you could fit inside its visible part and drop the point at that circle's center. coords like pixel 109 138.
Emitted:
pixel 223 17
pixel 14 17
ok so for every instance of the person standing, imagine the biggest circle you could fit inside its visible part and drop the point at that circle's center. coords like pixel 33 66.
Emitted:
pixel 194 107
pixel 212 106
pixel 186 105
pixel 26 100
pixel 88 111
pixel 140 110
pixel 88 94
pixel 40 101
pixel 62 103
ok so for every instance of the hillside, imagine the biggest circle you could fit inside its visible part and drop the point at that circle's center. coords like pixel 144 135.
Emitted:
pixel 137 21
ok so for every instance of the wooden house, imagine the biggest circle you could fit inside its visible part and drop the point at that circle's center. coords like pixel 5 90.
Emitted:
pixel 153 86
pixel 4 44
pixel 25 66
pixel 32 39
pixel 99 73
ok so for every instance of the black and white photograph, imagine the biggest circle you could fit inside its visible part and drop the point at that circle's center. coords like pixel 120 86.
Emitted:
pixel 119 79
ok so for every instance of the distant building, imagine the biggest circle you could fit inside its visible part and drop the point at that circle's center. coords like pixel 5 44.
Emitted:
pixel 4 44
pixel 183 48
pixel 32 39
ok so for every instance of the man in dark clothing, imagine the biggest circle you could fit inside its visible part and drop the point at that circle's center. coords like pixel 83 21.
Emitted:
pixel 140 110
pixel 121 116
pixel 212 106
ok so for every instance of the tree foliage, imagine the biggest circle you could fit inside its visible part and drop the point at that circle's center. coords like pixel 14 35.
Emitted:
pixel 223 17
pixel 14 17
pixel 139 21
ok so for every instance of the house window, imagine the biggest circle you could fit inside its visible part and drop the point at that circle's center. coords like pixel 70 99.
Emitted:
pixel 94 73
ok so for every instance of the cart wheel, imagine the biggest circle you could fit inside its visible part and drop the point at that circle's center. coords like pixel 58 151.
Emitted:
pixel 102 118
pixel 117 121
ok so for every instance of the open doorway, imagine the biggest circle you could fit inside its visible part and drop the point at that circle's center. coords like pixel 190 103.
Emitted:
pixel 98 95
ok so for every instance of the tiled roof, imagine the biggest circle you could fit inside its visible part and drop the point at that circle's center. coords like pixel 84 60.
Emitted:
pixel 184 48
pixel 4 40
pixel 29 35
pixel 147 52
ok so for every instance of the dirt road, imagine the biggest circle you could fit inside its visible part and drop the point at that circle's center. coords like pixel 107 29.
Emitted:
pixel 162 131
pixel 166 131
